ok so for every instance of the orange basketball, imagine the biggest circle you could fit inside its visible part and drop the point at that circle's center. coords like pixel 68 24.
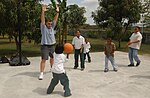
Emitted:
pixel 68 48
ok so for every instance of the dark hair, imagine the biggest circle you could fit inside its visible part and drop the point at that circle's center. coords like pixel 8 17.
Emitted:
pixel 59 48
pixel 109 39
pixel 138 27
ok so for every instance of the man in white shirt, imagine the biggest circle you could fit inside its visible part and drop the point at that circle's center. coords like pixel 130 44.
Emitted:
pixel 134 45
pixel 78 42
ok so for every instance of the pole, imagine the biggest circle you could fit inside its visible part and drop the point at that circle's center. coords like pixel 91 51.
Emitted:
pixel 19 30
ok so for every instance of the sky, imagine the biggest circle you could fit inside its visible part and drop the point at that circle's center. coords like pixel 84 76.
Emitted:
pixel 90 5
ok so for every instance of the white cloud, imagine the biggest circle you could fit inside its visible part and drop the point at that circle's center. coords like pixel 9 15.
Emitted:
pixel 90 5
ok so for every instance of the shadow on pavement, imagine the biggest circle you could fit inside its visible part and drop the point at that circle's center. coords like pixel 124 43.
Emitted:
pixel 140 76
pixel 30 74
pixel 42 91
pixel 96 71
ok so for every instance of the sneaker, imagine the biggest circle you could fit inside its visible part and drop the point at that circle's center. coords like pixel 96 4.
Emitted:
pixel 115 70
pixel 131 65
pixel 67 95
pixel 75 68
pixel 106 70
pixel 82 69
pixel 41 77
pixel 138 63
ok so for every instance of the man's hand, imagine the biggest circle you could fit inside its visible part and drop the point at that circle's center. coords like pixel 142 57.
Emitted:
pixel 57 8
pixel 129 43
pixel 44 8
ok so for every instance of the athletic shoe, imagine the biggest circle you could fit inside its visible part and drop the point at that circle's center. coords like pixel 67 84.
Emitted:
pixel 82 69
pixel 67 95
pixel 131 65
pixel 75 68
pixel 138 63
pixel 41 77
pixel 106 70
pixel 115 70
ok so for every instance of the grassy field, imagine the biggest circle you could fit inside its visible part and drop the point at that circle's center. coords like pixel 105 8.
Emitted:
pixel 31 49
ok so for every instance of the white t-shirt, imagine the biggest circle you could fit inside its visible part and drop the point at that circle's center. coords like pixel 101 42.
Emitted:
pixel 135 37
pixel 58 66
pixel 87 47
pixel 78 42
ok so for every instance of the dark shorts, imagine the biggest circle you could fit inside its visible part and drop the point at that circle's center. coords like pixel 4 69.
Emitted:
pixel 46 51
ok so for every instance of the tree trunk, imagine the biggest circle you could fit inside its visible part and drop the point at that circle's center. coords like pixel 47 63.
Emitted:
pixel 17 42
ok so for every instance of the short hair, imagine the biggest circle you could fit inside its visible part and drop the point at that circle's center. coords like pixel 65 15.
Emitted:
pixel 138 27
pixel 59 48
pixel 109 39
pixel 48 20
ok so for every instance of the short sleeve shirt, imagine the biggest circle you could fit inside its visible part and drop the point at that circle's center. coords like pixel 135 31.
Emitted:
pixel 58 66
pixel 87 47
pixel 48 35
pixel 78 42
pixel 134 37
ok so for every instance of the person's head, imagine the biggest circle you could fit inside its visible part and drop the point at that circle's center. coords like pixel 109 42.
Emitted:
pixel 48 23
pixel 137 29
pixel 109 40
pixel 86 39
pixel 59 49
pixel 78 33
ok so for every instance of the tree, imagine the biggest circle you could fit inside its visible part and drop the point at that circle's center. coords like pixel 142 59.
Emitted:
pixel 111 14
pixel 29 12
pixel 72 16
pixel 76 16
pixel 146 12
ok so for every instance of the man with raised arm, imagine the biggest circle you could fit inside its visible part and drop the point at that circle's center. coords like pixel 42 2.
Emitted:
pixel 48 38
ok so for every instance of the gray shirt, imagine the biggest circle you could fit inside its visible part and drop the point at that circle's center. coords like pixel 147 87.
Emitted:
pixel 48 35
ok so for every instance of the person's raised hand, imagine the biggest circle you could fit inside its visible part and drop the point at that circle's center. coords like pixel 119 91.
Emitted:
pixel 44 7
pixel 57 8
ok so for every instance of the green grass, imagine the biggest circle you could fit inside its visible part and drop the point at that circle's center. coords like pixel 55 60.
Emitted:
pixel 31 49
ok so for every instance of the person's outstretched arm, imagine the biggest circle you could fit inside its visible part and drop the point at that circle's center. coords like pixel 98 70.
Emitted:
pixel 56 16
pixel 44 9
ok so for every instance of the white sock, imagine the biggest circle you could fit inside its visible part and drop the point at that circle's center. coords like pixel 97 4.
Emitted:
pixel 42 73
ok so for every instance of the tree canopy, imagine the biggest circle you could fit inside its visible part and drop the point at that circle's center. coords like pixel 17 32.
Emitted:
pixel 112 13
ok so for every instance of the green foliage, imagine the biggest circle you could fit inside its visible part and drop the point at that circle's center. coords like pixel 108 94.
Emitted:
pixel 110 14
pixel 76 16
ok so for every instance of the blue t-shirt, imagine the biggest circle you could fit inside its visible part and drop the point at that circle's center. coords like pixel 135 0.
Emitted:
pixel 48 35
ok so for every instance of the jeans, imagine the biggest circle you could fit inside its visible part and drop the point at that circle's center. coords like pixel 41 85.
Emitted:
pixel 133 54
pixel 88 55
pixel 112 60
pixel 63 80
pixel 76 56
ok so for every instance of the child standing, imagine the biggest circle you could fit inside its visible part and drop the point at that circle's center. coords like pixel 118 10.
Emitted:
pixel 59 72
pixel 87 47
pixel 109 55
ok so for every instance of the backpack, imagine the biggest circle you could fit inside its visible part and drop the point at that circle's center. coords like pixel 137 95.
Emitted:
pixel 14 60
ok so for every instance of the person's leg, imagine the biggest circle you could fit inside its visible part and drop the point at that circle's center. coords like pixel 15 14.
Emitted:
pixel 135 56
pixel 51 62
pixel 44 57
pixel 53 83
pixel 42 65
pixel 65 82
pixel 76 56
pixel 106 64
pixel 112 60
pixel 84 56
pixel 89 58
pixel 82 60
pixel 51 53
pixel 130 54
